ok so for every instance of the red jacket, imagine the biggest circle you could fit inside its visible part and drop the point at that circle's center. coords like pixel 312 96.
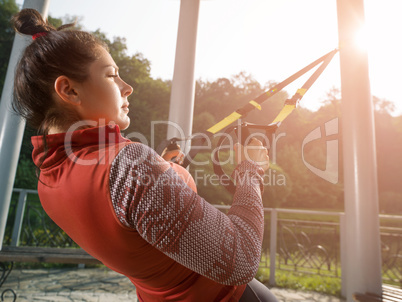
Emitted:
pixel 125 206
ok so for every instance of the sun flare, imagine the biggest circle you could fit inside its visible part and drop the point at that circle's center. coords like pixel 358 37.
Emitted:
pixel 361 38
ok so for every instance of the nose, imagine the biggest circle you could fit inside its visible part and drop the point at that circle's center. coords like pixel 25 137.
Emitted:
pixel 126 89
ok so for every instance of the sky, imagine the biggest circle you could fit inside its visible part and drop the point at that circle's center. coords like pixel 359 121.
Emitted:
pixel 267 39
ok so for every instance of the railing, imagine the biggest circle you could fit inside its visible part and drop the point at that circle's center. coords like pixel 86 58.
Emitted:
pixel 302 245
pixel 310 245
pixel 391 244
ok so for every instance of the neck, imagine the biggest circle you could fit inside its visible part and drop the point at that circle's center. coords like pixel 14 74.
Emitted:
pixel 55 130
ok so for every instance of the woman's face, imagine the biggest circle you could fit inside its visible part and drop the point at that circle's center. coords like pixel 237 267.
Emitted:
pixel 104 94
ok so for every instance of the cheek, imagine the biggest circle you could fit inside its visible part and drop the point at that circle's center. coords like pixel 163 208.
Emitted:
pixel 106 96
pixel 110 92
pixel 103 97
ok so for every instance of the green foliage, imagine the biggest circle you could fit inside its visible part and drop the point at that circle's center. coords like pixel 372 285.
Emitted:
pixel 7 9
pixel 305 282
pixel 26 171
pixel 327 285
pixel 55 21
pixel 389 145
pixel 278 187
pixel 390 202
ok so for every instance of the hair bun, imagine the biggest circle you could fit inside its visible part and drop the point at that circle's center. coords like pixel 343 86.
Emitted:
pixel 30 22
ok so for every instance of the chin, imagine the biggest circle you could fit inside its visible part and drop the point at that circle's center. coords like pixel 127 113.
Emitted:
pixel 124 125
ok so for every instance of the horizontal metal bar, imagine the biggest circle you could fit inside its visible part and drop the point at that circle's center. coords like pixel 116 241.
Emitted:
pixel 26 190
pixel 227 207
pixel 386 216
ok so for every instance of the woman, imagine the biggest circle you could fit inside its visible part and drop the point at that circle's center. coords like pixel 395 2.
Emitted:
pixel 119 200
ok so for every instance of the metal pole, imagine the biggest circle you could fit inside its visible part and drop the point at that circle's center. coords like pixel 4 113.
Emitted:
pixel 183 83
pixel 344 267
pixel 11 126
pixel 19 217
pixel 363 249
pixel 272 247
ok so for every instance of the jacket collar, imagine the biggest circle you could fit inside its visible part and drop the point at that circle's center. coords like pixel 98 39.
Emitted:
pixel 58 143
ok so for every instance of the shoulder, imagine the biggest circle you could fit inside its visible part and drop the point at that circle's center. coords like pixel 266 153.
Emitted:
pixel 136 160
pixel 138 155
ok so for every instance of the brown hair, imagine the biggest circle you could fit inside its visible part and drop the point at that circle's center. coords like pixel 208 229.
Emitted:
pixel 57 52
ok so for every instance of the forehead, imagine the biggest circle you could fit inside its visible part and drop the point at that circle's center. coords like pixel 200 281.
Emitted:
pixel 104 59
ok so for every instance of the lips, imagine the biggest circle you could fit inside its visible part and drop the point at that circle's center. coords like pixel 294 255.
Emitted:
pixel 125 107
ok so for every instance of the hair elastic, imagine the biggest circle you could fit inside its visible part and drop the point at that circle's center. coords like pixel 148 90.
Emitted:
pixel 41 34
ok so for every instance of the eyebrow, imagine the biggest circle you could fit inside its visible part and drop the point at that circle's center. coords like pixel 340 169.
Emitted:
pixel 114 66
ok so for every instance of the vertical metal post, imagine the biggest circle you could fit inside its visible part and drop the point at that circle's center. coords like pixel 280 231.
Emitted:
pixel 342 231
pixel 11 126
pixel 183 83
pixel 272 246
pixel 363 249
pixel 19 217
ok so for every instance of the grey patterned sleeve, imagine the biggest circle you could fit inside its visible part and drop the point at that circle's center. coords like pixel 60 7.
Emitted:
pixel 149 197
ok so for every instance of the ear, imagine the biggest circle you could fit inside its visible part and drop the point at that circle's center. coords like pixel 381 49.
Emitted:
pixel 66 90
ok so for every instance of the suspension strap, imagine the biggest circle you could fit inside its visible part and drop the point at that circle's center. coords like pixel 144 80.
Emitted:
pixel 289 104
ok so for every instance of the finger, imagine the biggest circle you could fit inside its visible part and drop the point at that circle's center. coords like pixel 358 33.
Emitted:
pixel 254 149
pixel 171 155
pixel 264 163
pixel 180 158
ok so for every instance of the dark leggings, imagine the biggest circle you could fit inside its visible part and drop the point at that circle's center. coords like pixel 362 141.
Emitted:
pixel 257 292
